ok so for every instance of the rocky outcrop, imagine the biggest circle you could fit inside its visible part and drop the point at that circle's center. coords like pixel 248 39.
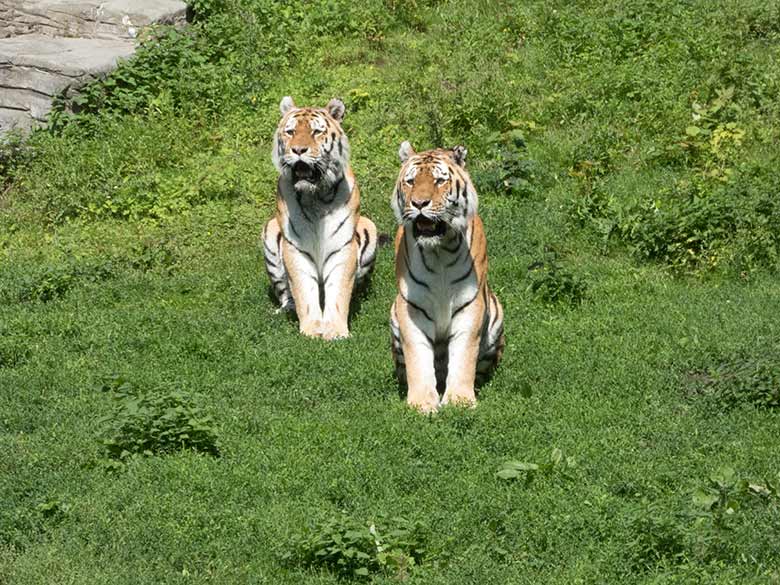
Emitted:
pixel 48 47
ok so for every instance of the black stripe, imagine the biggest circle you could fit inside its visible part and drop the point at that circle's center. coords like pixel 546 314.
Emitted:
pixel 292 227
pixel 365 246
pixel 304 252
pixel 301 207
pixel 332 197
pixel 465 276
pixel 336 251
pixel 269 250
pixel 422 256
pixel 464 305
pixel 411 274
pixel 494 311
pixel 325 280
pixel 457 245
pixel 343 221
pixel 418 307
pixel 341 148
pixel 451 264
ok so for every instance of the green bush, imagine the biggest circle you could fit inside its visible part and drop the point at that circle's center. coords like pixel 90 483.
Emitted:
pixel 741 378
pixel 154 423
pixel 506 168
pixel 551 283
pixel 349 548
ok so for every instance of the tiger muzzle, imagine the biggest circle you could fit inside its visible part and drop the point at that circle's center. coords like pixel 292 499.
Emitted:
pixel 303 171
pixel 428 228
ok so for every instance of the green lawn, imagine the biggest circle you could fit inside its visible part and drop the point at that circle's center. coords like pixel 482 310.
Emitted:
pixel 628 174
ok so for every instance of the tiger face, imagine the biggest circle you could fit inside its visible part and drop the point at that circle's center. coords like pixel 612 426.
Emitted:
pixel 310 149
pixel 434 195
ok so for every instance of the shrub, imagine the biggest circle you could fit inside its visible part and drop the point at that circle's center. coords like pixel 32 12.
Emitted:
pixel 507 169
pixel 658 536
pixel 557 463
pixel 551 283
pixel 392 546
pixel 741 378
pixel 52 282
pixel 155 423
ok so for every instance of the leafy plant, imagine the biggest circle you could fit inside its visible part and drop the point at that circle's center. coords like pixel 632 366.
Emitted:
pixel 154 423
pixel 21 525
pixel 659 536
pixel 53 282
pixel 14 351
pixel 557 463
pixel 551 283
pixel 742 378
pixel 711 143
pixel 507 169
pixel 391 546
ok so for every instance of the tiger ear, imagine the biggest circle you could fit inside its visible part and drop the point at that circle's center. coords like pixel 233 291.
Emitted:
pixel 336 109
pixel 286 104
pixel 405 151
pixel 459 155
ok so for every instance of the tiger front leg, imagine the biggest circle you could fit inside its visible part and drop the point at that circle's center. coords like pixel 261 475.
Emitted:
pixel 304 285
pixel 338 280
pixel 462 354
pixel 274 265
pixel 416 334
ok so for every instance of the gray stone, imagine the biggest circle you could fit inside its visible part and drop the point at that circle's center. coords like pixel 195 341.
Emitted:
pixel 87 18
pixel 50 47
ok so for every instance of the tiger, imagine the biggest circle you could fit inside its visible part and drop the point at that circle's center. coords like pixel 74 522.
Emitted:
pixel 317 247
pixel 447 324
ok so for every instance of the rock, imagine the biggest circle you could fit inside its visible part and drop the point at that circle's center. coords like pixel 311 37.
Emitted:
pixel 48 47
pixel 111 19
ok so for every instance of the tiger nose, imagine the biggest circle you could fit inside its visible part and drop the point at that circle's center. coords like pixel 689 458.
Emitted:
pixel 299 150
pixel 420 203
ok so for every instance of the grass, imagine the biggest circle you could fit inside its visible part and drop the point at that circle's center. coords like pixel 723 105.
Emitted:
pixel 129 246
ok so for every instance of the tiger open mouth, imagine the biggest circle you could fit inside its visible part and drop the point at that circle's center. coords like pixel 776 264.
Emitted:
pixel 304 172
pixel 428 228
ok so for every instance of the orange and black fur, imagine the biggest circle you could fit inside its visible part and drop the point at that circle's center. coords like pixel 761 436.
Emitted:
pixel 317 246
pixel 447 325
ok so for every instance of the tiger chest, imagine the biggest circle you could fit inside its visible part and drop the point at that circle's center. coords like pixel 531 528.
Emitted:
pixel 320 232
pixel 441 283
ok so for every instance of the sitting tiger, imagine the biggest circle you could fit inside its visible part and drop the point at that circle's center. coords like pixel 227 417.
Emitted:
pixel 317 247
pixel 447 325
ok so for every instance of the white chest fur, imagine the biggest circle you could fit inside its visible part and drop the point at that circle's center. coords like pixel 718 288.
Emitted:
pixel 440 281
pixel 319 225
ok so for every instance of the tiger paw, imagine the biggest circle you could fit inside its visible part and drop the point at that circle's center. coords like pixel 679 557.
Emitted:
pixel 311 328
pixel 331 331
pixel 461 398
pixel 427 404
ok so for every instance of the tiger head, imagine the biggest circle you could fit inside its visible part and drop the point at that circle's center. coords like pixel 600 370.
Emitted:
pixel 310 148
pixel 434 195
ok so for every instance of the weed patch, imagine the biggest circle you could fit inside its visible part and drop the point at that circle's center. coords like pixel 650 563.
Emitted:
pixel 352 549
pixel 21 526
pixel 706 530
pixel 525 471
pixel 53 282
pixel 741 378
pixel 154 423
pixel 506 168
pixel 550 283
